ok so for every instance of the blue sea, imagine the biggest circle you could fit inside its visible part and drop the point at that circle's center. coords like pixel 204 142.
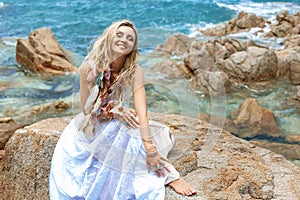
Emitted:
pixel 76 23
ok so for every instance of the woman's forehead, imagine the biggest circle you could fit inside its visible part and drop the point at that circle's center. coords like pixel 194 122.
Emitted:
pixel 126 29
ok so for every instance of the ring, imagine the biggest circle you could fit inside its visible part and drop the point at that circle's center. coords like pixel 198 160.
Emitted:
pixel 158 166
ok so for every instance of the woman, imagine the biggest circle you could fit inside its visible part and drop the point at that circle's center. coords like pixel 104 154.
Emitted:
pixel 109 151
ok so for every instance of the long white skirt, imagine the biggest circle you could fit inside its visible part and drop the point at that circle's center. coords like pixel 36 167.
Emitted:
pixel 109 166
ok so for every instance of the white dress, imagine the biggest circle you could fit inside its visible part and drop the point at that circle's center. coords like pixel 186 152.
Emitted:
pixel 111 165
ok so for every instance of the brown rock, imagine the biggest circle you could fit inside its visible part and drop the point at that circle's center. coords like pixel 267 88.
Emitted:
pixel 295 70
pixel 217 164
pixel 41 53
pixel 216 120
pixel 213 83
pixel 172 70
pixel 247 21
pixel 27 160
pixel 282 30
pixel 287 25
pixel 293 138
pixel 202 58
pixel 253 120
pixel 283 69
pixel 242 23
pixel 295 99
pixel 255 64
pixel 2 152
pixel 290 151
pixel 7 127
pixel 289 146
pixel 289 64
pixel 292 42
pixel 177 44
pixel 42 111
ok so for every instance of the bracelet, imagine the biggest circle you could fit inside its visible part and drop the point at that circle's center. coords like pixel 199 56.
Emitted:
pixel 145 140
pixel 151 154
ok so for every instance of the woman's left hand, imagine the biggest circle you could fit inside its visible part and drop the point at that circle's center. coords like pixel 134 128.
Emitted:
pixel 157 162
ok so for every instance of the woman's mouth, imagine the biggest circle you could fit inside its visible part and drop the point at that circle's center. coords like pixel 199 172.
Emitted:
pixel 122 46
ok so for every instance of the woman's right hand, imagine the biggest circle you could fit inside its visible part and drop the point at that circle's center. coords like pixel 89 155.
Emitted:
pixel 128 117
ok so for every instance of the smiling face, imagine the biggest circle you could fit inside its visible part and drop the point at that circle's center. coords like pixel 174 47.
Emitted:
pixel 123 42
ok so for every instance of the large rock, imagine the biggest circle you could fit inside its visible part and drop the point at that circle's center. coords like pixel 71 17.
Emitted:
pixel 283 64
pixel 217 164
pixel 172 69
pixel 215 83
pixel 39 112
pixel 289 64
pixel 254 64
pixel 204 55
pixel 295 68
pixel 26 162
pixel 286 25
pixel 292 42
pixel 177 45
pixel 252 120
pixel 244 22
pixel 214 65
pixel 41 53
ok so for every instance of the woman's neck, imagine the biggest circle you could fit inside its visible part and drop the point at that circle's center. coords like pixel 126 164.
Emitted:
pixel 117 64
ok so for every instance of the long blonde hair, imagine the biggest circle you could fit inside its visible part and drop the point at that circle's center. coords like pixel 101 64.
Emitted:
pixel 101 52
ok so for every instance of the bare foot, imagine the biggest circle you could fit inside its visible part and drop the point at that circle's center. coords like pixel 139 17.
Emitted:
pixel 182 187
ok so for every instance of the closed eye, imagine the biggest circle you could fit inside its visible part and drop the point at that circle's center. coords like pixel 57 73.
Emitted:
pixel 130 38
pixel 119 34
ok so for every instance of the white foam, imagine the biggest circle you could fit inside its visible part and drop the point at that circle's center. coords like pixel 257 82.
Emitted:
pixel 2 4
pixel 194 29
pixel 267 10
pixel 10 41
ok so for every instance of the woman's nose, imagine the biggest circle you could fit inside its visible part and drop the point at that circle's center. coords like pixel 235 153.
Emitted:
pixel 123 38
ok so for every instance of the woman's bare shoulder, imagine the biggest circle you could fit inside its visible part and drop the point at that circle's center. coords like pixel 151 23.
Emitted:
pixel 139 70
pixel 85 67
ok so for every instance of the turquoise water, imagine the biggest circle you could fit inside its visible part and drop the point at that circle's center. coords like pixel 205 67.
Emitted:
pixel 76 23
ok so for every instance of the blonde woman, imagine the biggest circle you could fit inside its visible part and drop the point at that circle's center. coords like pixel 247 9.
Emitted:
pixel 109 151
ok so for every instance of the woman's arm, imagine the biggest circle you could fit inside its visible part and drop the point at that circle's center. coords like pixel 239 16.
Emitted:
pixel 140 105
pixel 139 96
pixel 153 159
pixel 84 90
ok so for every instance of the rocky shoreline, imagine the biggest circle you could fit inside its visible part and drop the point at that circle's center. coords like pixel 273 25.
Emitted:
pixel 217 65
pixel 219 164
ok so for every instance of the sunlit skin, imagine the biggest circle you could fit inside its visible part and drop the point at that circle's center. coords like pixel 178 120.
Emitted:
pixel 122 44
